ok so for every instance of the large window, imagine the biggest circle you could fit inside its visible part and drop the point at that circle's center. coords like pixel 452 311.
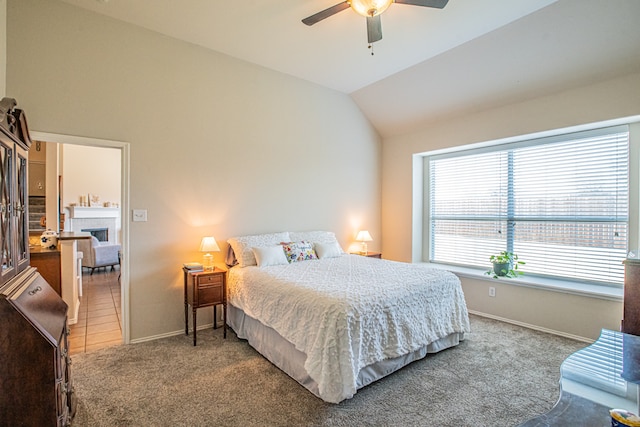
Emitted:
pixel 560 203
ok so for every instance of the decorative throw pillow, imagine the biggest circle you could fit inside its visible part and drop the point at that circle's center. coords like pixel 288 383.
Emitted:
pixel 269 255
pixel 299 251
pixel 328 250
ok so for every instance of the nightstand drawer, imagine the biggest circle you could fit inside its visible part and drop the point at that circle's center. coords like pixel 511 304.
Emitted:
pixel 210 294
pixel 210 280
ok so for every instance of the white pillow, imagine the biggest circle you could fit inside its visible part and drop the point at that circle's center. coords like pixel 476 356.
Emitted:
pixel 269 255
pixel 242 245
pixel 328 250
pixel 314 237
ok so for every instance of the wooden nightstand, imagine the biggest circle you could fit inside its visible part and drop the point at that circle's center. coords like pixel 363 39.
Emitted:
pixel 204 289
pixel 369 254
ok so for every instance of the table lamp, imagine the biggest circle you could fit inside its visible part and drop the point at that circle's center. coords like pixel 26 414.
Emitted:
pixel 364 236
pixel 208 245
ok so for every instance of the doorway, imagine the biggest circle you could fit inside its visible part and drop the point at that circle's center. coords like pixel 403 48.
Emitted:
pixel 123 148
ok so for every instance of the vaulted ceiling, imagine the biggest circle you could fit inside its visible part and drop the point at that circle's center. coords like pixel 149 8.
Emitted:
pixel 431 63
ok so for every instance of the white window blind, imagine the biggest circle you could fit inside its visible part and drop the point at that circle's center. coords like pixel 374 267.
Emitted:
pixel 560 203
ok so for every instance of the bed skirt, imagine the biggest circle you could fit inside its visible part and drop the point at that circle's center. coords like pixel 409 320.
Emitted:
pixel 285 356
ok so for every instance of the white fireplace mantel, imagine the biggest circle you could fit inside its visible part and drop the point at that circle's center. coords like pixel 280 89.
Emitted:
pixel 81 218
pixel 87 212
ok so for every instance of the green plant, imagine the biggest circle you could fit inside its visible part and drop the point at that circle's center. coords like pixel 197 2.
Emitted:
pixel 505 264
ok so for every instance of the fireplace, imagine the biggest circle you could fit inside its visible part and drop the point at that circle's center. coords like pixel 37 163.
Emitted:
pixel 104 221
pixel 102 234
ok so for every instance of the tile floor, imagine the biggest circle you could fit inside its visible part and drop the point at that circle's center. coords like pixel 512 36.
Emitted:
pixel 99 318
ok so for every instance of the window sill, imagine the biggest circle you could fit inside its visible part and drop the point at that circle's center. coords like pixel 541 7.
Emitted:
pixel 583 289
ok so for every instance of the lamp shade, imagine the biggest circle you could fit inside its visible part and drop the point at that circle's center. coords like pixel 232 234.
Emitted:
pixel 209 244
pixel 370 7
pixel 363 236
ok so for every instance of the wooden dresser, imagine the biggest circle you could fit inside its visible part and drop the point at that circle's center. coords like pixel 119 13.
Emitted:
pixel 35 378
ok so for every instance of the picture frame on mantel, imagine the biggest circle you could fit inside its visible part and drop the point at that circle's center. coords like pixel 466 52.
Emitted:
pixel 94 201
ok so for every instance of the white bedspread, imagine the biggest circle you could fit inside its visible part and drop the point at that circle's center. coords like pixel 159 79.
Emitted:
pixel 348 312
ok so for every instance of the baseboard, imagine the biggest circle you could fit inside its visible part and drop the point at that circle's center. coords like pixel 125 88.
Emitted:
pixel 172 334
pixel 477 313
pixel 530 326
pixel 74 318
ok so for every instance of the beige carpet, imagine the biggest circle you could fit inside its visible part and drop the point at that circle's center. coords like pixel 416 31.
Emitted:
pixel 501 375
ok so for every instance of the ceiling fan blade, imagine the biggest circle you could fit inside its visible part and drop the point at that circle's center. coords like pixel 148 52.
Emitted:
pixel 314 19
pixel 374 28
pixel 439 4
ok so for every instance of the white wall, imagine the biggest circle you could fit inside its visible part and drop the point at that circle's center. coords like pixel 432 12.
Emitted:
pixel 52 162
pixel 217 146
pixel 90 170
pixel 574 315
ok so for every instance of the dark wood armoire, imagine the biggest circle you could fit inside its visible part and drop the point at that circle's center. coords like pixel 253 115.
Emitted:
pixel 36 387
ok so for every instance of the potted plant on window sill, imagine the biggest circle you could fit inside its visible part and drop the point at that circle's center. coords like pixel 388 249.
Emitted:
pixel 505 264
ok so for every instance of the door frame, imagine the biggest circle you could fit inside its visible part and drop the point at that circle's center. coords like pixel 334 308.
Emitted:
pixel 124 148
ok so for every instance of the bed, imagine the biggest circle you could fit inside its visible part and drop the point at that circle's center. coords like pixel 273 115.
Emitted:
pixel 336 322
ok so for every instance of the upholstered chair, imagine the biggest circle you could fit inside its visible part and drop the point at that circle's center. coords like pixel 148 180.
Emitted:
pixel 96 254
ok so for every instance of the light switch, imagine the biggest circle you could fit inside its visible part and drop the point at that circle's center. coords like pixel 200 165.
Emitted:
pixel 139 215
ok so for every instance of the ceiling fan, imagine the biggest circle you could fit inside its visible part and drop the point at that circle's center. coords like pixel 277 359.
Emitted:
pixel 371 9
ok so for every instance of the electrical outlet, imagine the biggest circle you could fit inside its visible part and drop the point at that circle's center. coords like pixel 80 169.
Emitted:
pixel 492 291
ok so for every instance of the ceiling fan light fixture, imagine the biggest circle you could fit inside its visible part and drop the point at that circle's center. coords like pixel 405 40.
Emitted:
pixel 369 7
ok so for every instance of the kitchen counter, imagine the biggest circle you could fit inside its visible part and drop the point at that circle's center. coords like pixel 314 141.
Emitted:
pixel 74 235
